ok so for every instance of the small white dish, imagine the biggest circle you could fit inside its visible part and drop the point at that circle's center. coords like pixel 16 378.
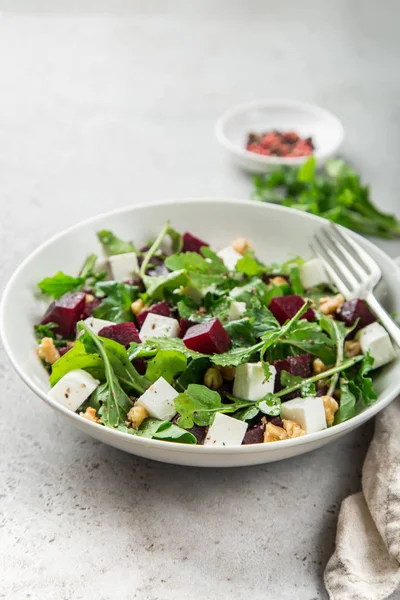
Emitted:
pixel 307 120
pixel 275 232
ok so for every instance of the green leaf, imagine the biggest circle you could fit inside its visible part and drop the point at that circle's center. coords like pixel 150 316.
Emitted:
pixel 152 345
pixel 241 333
pixel 271 337
pixel 116 305
pixel 165 430
pixel 364 382
pixel 306 173
pixel 77 358
pixel 194 373
pixel 204 272
pixel 270 405
pixel 347 407
pixel 176 239
pixel 113 245
pixel 197 405
pixel 156 286
pixel 236 356
pixel 295 281
pixel 306 388
pixel 250 265
pixel 60 284
pixel 262 319
pixel 47 330
pixel 167 364
pixel 310 338
pixel 255 288
pixel 246 414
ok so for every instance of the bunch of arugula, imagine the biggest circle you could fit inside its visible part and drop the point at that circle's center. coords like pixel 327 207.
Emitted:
pixel 336 194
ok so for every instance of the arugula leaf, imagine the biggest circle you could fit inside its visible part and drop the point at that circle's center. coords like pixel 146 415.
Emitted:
pixel 118 298
pixel 77 358
pixel 270 405
pixel 167 364
pixel 295 281
pixel 60 284
pixel 157 286
pixel 113 245
pixel 152 345
pixel 194 373
pixel 241 333
pixel 347 407
pixel 246 414
pixel 310 338
pixel 306 388
pixel 161 430
pixel 47 330
pixel 262 319
pixel 236 356
pixel 250 265
pixel 253 288
pixel 205 271
pixel 364 382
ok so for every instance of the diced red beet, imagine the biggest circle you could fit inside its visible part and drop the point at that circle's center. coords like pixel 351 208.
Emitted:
pixel 90 306
pixel 66 312
pixel 295 365
pixel 192 243
pixel 161 308
pixel 255 435
pixel 209 338
pixel 285 307
pixel 123 333
pixel 277 421
pixel 140 365
pixel 64 350
pixel 184 325
pixel 353 310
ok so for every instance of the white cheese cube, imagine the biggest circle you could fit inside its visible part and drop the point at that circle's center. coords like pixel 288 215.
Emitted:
pixel 235 292
pixel 158 326
pixel 96 324
pixel 158 400
pixel 236 310
pixel 73 389
pixel 225 431
pixel 229 257
pixel 124 266
pixel 375 339
pixel 313 273
pixel 250 383
pixel 308 412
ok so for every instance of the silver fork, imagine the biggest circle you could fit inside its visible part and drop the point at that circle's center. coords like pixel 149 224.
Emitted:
pixel 352 270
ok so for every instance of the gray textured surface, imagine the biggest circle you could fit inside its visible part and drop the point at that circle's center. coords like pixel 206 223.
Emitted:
pixel 106 104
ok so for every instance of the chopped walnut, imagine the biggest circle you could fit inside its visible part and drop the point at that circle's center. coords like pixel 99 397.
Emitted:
pixel 137 415
pixel 240 245
pixel 331 407
pixel 318 366
pixel 89 298
pixel 292 429
pixel 90 415
pixel 278 280
pixel 352 348
pixel 48 351
pixel 228 373
pixel 273 433
pixel 137 307
pixel 328 305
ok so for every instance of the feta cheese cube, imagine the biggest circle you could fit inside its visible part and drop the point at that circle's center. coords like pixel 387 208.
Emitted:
pixel 313 273
pixel 96 324
pixel 250 383
pixel 225 431
pixel 158 400
pixel 73 389
pixel 158 326
pixel 236 310
pixel 123 266
pixel 375 339
pixel 229 257
pixel 308 412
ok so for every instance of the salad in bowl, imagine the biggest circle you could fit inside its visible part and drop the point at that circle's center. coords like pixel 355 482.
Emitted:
pixel 181 342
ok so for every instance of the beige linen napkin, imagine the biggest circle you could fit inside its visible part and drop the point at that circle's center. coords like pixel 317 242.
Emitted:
pixel 365 564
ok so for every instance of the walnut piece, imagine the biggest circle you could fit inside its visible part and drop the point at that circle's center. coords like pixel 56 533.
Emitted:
pixel 318 366
pixel 240 245
pixel 89 298
pixel 331 407
pixel 213 378
pixel 278 280
pixel 292 429
pixel 273 433
pixel 48 351
pixel 90 415
pixel 137 307
pixel 328 305
pixel 137 415
pixel 352 348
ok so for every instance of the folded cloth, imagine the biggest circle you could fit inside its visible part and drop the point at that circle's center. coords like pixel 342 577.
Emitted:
pixel 366 561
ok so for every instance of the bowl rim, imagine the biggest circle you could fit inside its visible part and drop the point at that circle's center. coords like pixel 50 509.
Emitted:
pixel 331 432
pixel 243 153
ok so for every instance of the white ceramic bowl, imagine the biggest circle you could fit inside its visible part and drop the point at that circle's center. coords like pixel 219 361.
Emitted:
pixel 275 233
pixel 307 120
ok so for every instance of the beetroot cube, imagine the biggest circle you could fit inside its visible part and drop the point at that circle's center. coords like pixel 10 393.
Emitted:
pixel 184 325
pixel 90 306
pixel 353 310
pixel 161 308
pixel 66 312
pixel 295 365
pixel 285 307
pixel 123 333
pixel 64 350
pixel 192 243
pixel 255 435
pixel 209 338
pixel 140 365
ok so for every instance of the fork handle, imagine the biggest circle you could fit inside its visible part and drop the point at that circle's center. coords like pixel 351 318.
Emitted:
pixel 384 317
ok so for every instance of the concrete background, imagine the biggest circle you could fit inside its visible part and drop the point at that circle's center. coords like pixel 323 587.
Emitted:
pixel 105 104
